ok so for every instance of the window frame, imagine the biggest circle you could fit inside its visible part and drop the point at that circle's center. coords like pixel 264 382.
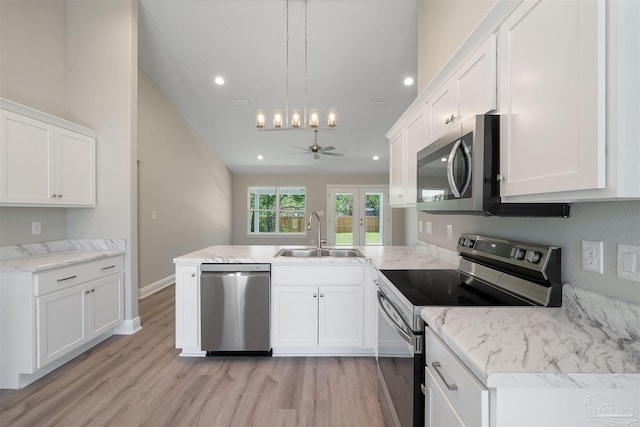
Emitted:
pixel 277 211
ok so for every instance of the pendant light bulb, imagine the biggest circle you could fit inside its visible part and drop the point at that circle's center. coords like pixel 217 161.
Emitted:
pixel 314 118
pixel 277 118
pixel 260 119
pixel 332 118
pixel 295 118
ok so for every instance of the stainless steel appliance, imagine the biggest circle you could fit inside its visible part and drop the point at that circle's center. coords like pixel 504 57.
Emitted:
pixel 234 308
pixel 491 272
pixel 459 173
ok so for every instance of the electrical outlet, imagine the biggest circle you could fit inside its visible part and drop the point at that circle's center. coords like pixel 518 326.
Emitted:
pixel 629 262
pixel 154 214
pixel 419 226
pixel 429 227
pixel 449 231
pixel 592 256
pixel 36 227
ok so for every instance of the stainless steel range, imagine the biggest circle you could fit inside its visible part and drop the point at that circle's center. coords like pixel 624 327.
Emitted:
pixel 491 272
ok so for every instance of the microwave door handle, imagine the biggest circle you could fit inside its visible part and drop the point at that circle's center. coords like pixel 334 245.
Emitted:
pixel 450 177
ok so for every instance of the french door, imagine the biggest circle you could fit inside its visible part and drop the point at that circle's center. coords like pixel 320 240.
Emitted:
pixel 358 216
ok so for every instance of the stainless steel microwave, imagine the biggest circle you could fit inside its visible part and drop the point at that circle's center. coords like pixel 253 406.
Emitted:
pixel 458 173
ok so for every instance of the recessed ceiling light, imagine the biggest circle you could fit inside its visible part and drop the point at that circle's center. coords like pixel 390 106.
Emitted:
pixel 219 80
pixel 376 158
pixel 260 157
pixel 408 81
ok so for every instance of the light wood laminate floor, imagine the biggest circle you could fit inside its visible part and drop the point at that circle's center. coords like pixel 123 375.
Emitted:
pixel 139 380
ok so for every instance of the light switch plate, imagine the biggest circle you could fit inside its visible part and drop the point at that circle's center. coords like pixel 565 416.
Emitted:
pixel 449 231
pixel 429 227
pixel 629 262
pixel 419 226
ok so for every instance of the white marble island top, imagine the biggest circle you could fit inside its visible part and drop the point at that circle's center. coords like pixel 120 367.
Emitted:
pixel 383 257
pixel 534 346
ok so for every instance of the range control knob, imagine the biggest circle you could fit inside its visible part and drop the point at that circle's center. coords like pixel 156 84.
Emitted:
pixel 470 243
pixel 461 241
pixel 517 253
pixel 533 257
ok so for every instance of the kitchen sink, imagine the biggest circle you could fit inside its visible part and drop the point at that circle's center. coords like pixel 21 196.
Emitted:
pixel 315 253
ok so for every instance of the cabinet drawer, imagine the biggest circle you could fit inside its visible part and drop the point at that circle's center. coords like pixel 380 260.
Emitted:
pixel 62 278
pixel 463 390
pixel 318 275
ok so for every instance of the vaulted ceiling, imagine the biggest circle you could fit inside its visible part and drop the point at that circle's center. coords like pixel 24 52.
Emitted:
pixel 359 53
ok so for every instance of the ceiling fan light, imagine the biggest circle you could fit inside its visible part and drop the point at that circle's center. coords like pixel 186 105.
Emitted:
pixel 314 118
pixel 277 118
pixel 295 118
pixel 332 117
pixel 260 119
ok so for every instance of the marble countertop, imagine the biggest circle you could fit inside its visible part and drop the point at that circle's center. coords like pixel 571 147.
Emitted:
pixel 383 257
pixel 590 334
pixel 38 257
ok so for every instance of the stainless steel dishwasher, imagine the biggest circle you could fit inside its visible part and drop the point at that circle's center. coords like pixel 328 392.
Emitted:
pixel 234 309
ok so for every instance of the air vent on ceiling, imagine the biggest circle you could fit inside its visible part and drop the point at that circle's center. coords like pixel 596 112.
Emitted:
pixel 376 103
pixel 240 102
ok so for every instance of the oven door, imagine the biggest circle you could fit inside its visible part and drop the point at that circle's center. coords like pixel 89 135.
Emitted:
pixel 399 367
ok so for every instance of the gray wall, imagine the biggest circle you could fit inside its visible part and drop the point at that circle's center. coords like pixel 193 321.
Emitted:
pixel 316 201
pixel 439 32
pixel 78 60
pixel 36 27
pixel 182 180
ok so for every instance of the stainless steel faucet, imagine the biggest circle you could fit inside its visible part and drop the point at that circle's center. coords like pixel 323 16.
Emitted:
pixel 319 239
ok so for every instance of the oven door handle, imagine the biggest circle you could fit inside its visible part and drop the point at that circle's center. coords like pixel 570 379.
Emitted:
pixel 398 328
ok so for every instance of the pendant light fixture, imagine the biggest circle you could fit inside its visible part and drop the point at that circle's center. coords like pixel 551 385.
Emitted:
pixel 295 119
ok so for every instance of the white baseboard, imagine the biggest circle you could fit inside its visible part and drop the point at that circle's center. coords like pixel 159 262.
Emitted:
pixel 156 286
pixel 129 327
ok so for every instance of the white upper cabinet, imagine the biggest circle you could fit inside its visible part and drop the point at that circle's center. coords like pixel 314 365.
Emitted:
pixel 43 164
pixel 397 167
pixel 552 98
pixel 469 91
pixel 405 141
pixel 571 96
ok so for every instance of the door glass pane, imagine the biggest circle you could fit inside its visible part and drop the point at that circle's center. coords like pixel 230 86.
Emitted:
pixel 344 219
pixel 373 218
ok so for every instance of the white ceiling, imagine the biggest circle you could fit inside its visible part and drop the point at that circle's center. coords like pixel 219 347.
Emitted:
pixel 358 51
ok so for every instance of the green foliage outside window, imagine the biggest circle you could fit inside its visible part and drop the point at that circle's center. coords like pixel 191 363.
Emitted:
pixel 276 209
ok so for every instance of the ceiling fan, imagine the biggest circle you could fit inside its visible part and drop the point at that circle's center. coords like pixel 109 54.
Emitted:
pixel 316 150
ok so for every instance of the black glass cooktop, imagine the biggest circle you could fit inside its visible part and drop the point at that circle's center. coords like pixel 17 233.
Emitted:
pixel 446 288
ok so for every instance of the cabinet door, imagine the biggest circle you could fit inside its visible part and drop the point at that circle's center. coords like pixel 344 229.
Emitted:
pixel 416 140
pixel 26 160
pixel 340 316
pixel 396 169
pixel 441 110
pixel 438 411
pixel 476 82
pixel 75 167
pixel 107 304
pixel 295 316
pixel 187 308
pixel 552 98
pixel 62 323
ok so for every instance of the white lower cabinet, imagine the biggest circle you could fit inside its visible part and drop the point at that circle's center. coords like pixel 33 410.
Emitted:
pixel 48 317
pixel 317 309
pixel 453 395
pixel 69 318
pixel 188 310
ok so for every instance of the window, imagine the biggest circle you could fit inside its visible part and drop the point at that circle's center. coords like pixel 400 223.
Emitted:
pixel 277 210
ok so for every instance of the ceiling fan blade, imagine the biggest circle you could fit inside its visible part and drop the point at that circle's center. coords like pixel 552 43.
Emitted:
pixel 300 152
pixel 329 148
pixel 300 148
pixel 316 156
pixel 334 154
